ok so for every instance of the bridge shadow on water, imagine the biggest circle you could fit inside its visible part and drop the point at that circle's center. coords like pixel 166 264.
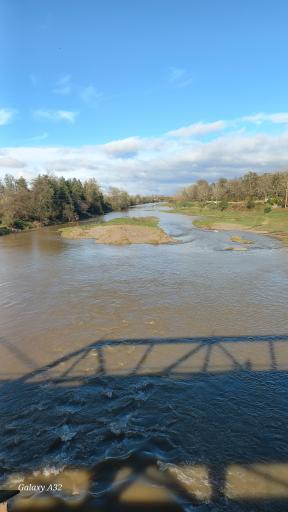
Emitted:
pixel 205 419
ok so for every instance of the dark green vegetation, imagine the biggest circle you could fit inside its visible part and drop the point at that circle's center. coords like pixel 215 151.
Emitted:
pixel 4 230
pixel 50 200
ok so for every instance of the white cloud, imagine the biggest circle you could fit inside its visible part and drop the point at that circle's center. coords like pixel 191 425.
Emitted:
pixel 42 136
pixel 261 117
pixel 34 79
pixel 6 116
pixel 124 146
pixel 56 115
pixel 165 163
pixel 90 94
pixel 63 85
pixel 67 115
pixel 198 129
pixel 180 77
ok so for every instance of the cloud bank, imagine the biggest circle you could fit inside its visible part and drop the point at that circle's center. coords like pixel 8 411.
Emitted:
pixel 166 163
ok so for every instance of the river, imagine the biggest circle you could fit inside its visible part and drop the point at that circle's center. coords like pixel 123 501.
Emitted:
pixel 174 353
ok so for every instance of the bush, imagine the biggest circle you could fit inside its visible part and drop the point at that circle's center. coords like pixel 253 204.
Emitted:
pixel 267 209
pixel 18 224
pixel 270 201
pixel 186 204
pixel 223 205
pixel 275 201
pixel 4 231
pixel 250 204
pixel 212 206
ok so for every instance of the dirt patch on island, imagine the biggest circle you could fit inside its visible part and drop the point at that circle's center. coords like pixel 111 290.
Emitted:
pixel 121 235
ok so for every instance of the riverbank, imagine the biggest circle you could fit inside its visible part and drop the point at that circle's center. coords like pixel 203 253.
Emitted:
pixel 20 228
pixel 121 231
pixel 236 217
pixel 5 231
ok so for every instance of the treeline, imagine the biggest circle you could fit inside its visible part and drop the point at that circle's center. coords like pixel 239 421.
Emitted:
pixel 268 187
pixel 49 199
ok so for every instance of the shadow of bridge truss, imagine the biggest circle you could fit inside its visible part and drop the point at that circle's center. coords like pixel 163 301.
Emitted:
pixel 212 413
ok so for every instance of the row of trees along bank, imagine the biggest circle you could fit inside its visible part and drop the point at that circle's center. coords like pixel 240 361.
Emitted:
pixel 49 199
pixel 268 187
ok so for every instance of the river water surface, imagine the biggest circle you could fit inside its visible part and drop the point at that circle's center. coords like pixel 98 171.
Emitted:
pixel 172 353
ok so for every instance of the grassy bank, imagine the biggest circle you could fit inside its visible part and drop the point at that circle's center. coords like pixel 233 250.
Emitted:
pixel 19 227
pixel 237 217
pixel 149 222
pixel 121 231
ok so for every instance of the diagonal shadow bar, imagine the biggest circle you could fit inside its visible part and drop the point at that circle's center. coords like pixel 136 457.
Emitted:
pixel 74 364
pixel 183 358
pixel 16 351
pixel 231 357
pixel 143 358
pixel 207 358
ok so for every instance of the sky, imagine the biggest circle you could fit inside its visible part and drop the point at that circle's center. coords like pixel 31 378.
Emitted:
pixel 145 95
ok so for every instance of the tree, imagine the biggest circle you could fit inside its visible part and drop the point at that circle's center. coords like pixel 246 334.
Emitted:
pixel 118 199
pixel 203 190
pixel 250 182
pixel 21 184
pixel 285 179
pixel 44 208
pixel 93 197
pixel 63 200
pixel 15 203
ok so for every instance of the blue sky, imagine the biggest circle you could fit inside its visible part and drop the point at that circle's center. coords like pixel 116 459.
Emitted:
pixel 108 89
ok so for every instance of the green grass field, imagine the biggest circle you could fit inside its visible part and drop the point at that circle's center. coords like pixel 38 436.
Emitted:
pixel 149 222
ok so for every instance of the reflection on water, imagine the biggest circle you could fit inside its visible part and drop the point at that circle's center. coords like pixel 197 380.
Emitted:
pixel 162 355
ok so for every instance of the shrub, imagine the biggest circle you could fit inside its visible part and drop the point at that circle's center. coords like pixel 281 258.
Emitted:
pixel 270 201
pixel 275 201
pixel 212 206
pixel 267 209
pixel 223 205
pixel 4 231
pixel 250 204
pixel 18 224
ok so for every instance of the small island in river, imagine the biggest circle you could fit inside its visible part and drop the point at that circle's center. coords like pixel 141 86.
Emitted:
pixel 121 231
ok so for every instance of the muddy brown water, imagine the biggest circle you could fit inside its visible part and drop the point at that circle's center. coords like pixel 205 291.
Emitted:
pixel 176 354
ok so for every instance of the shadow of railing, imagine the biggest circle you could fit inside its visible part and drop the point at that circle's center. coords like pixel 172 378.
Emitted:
pixel 212 413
